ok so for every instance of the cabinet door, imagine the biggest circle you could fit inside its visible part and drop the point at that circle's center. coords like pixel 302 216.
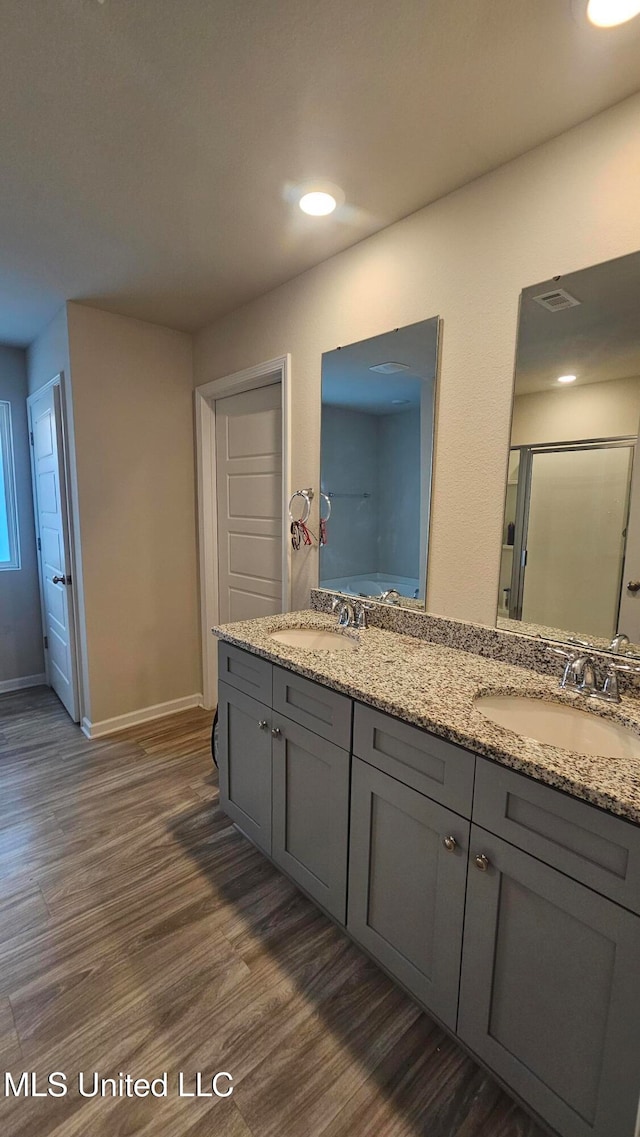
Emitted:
pixel 406 888
pixel 549 996
pixel 311 813
pixel 245 763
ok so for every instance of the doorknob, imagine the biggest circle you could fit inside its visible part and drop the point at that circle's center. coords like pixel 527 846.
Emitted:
pixel 58 579
pixel 633 586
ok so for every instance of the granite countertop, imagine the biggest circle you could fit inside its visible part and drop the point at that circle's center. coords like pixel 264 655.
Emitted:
pixel 434 688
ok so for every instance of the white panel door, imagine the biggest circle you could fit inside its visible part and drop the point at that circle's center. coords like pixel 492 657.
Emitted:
pixel 53 531
pixel 249 498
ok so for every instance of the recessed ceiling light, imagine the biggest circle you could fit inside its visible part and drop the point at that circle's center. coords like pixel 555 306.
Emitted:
pixel 317 203
pixel 610 13
pixel 567 378
pixel 389 368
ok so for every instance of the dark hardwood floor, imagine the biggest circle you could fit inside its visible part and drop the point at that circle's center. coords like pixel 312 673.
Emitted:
pixel 140 933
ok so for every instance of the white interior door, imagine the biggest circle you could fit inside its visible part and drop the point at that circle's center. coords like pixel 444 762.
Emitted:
pixel 249 501
pixel 52 522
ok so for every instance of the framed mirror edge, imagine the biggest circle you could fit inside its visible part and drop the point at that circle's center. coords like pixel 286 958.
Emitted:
pixel 561 637
pixel 419 606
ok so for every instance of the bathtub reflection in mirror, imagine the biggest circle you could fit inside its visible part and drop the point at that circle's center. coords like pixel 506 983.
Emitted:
pixel 571 530
pixel 376 461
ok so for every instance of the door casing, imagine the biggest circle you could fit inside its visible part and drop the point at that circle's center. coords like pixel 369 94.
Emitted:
pixel 272 371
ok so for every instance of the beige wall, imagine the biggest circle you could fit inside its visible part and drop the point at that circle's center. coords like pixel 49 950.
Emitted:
pixel 563 206
pixel 597 410
pixel 20 624
pixel 133 412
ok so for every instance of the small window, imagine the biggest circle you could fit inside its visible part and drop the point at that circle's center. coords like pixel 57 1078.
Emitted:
pixel 9 541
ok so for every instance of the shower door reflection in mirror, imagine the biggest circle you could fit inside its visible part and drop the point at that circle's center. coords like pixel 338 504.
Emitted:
pixel 571 532
pixel 376 460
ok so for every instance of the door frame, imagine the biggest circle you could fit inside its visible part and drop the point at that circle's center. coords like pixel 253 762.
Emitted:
pixel 66 483
pixel 276 370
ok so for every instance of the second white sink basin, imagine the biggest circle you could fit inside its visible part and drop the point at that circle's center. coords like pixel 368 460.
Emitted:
pixel 314 639
pixel 560 725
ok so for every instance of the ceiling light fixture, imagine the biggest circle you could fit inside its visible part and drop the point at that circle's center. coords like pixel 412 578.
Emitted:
pixel 317 203
pixel 399 402
pixel 567 378
pixel 316 197
pixel 610 13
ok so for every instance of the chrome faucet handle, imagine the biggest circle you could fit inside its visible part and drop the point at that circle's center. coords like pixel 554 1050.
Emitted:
pixel 581 643
pixel 610 687
pixel 565 653
pixel 630 668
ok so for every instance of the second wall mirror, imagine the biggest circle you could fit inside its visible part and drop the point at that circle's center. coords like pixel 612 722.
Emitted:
pixel 570 560
pixel 378 399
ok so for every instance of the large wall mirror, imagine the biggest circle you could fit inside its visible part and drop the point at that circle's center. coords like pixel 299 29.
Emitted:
pixel 570 560
pixel 376 459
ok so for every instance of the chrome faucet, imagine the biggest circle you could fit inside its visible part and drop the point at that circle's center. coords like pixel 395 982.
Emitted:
pixel 579 675
pixel 391 596
pixel 620 643
pixel 346 614
pixel 350 615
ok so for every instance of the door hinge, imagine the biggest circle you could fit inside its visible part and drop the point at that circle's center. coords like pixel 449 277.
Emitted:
pixel 46 643
pixel 31 437
pixel 39 545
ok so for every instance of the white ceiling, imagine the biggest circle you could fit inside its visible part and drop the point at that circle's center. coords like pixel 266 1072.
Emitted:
pixel 347 379
pixel 147 144
pixel 596 341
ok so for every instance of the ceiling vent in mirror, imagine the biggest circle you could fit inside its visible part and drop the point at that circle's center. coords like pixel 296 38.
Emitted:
pixel 389 368
pixel 556 301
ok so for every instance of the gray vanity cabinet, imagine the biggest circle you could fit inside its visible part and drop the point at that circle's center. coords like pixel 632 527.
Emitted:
pixel 549 996
pixel 287 786
pixel 407 879
pixel 245 763
pixel 311 813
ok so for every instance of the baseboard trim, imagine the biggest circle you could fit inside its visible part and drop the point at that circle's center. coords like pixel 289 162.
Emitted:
pixel 133 718
pixel 24 681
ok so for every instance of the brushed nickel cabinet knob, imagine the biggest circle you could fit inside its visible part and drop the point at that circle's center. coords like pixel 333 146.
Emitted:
pixel 482 862
pixel 276 732
pixel 450 844
pixel 263 724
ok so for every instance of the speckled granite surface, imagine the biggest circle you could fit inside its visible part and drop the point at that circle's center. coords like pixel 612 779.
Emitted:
pixel 520 648
pixel 434 687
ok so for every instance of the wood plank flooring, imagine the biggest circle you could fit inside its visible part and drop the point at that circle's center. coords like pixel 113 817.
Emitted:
pixel 140 933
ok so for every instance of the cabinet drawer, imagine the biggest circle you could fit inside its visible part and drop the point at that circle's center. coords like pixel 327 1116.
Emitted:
pixel 594 847
pixel 439 769
pixel 313 706
pixel 245 672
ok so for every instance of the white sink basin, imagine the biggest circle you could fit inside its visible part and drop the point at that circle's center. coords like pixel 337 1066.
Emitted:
pixel 560 725
pixel 314 639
